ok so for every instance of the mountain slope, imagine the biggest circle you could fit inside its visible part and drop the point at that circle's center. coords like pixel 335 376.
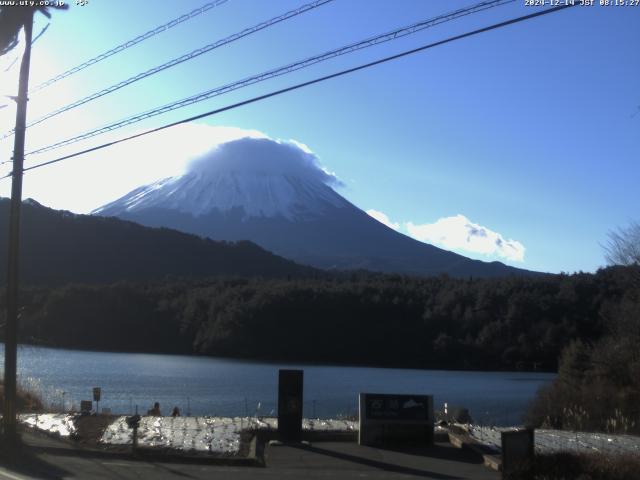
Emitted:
pixel 276 195
pixel 59 247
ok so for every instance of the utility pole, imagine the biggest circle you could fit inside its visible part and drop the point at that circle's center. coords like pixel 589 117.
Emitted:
pixel 11 329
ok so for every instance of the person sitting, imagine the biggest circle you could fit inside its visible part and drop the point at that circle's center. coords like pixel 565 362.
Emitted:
pixel 155 411
pixel 176 412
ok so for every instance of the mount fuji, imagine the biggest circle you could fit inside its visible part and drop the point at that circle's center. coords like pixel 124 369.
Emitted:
pixel 278 196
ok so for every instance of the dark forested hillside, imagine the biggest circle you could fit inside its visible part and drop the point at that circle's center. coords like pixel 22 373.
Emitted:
pixel 391 320
pixel 598 387
pixel 59 247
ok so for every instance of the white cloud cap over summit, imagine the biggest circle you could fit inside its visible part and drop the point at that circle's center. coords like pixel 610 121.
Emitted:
pixel 458 232
pixel 100 177
pixel 258 175
pixel 263 156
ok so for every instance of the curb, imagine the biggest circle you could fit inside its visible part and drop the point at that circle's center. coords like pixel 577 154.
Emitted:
pixel 67 447
pixel 491 460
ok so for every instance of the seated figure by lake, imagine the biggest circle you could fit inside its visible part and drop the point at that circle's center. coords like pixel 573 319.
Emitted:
pixel 155 411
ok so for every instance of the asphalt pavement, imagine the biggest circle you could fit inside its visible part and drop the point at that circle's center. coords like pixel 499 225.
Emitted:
pixel 51 459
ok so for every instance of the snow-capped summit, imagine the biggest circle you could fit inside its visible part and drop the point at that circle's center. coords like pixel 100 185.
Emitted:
pixel 262 177
pixel 277 195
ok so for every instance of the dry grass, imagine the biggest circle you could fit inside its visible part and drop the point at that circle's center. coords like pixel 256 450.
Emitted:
pixel 592 466
pixel 27 401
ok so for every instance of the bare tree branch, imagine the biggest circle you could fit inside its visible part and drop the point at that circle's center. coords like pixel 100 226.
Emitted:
pixel 12 19
pixel 623 246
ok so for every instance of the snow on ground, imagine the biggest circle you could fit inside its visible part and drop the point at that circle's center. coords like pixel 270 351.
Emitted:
pixel 199 434
pixel 222 435
pixel 205 434
pixel 308 424
pixel 60 423
pixel 218 435
pixel 549 441
pixel 317 425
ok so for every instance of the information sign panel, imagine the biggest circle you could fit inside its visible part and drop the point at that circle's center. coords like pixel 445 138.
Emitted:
pixel 389 418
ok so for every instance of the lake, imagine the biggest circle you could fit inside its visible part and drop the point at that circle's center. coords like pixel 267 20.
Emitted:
pixel 223 387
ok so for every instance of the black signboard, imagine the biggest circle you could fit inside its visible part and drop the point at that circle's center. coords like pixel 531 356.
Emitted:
pixel 290 385
pixel 389 419
pixel 398 407
pixel 517 453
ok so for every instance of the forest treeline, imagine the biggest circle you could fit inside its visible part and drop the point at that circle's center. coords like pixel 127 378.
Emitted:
pixel 360 318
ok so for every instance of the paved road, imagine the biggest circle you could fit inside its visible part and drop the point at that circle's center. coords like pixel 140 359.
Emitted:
pixel 322 460
pixel 349 460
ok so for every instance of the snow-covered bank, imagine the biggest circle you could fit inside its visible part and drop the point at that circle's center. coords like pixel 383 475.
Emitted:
pixel 199 434
pixel 217 435
pixel 221 435
pixel 58 423
pixel 308 424
pixel 551 441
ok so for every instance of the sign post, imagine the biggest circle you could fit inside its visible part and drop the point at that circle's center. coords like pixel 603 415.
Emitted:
pixel 134 423
pixel 96 398
pixel 290 389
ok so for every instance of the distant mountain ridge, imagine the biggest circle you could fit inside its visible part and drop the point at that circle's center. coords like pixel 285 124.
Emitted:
pixel 59 247
pixel 273 194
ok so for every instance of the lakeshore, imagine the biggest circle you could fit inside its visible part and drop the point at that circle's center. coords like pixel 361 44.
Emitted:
pixel 236 388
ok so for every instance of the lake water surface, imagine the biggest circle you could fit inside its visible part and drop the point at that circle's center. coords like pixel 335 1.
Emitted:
pixel 223 387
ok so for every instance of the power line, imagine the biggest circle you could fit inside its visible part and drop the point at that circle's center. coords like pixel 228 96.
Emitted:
pixel 130 43
pixel 398 33
pixel 177 61
pixel 41 33
pixel 304 84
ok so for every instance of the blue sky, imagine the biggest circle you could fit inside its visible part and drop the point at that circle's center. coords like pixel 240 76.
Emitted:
pixel 525 134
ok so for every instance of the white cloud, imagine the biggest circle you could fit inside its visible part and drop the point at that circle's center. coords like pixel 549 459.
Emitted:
pixel 383 218
pixel 459 233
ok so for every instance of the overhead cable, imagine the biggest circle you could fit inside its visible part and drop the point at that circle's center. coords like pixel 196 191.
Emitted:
pixel 130 43
pixel 395 34
pixel 301 85
pixel 178 61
